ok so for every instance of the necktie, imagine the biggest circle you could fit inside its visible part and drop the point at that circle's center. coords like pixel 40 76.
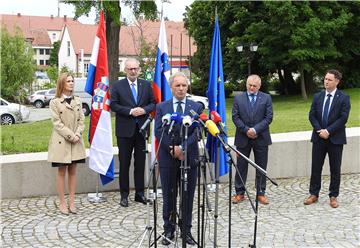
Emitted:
pixel 179 108
pixel 252 101
pixel 134 92
pixel 326 111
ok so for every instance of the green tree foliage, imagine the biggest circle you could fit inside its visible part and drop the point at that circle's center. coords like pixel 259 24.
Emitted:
pixel 303 38
pixel 54 58
pixel 17 66
pixel 112 18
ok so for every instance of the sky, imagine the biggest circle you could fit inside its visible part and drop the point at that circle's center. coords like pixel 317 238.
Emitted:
pixel 174 10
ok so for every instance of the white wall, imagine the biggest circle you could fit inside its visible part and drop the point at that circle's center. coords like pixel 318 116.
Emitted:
pixel 64 59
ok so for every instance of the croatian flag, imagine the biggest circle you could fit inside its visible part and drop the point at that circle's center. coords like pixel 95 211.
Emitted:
pixel 161 87
pixel 101 158
pixel 216 96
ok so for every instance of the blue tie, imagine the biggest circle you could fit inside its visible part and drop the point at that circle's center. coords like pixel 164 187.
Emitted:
pixel 326 111
pixel 134 92
pixel 179 108
pixel 252 101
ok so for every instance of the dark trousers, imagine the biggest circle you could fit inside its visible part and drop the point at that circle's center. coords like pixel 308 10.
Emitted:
pixel 261 159
pixel 319 151
pixel 170 180
pixel 126 147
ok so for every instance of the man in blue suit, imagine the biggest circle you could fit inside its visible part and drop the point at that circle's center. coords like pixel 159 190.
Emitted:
pixel 328 115
pixel 252 114
pixel 132 100
pixel 171 156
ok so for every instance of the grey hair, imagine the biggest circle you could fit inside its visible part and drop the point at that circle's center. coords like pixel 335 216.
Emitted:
pixel 132 60
pixel 178 74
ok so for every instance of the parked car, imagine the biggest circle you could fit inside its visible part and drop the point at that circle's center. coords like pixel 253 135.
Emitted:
pixel 12 113
pixel 86 98
pixel 38 98
pixel 200 99
pixel 49 94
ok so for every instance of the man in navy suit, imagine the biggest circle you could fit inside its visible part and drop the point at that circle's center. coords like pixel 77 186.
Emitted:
pixel 328 115
pixel 252 114
pixel 171 156
pixel 132 100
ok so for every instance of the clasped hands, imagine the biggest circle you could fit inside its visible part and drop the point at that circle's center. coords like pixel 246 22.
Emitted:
pixel 178 153
pixel 323 133
pixel 137 111
pixel 251 133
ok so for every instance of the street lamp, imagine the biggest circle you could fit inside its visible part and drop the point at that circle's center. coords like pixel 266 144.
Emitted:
pixel 248 53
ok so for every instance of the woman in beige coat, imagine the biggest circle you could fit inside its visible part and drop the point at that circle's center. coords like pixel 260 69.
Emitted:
pixel 66 147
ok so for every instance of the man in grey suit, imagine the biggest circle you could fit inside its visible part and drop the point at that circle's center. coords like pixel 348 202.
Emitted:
pixel 252 114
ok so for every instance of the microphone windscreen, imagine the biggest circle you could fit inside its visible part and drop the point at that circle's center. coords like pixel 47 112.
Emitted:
pixel 212 128
pixel 166 118
pixel 186 120
pixel 215 116
pixel 176 117
pixel 204 117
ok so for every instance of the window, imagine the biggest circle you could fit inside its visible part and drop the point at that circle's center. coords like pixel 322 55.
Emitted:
pixel 41 62
pixel 53 36
pixel 47 51
pixel 68 48
pixel 47 62
pixel 41 51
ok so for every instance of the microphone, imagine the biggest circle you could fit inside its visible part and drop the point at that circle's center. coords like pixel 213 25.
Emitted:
pixel 215 117
pixel 175 118
pixel 199 118
pixel 166 119
pixel 187 121
pixel 146 124
pixel 215 132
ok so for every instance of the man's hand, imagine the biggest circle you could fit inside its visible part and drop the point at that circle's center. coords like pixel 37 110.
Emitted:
pixel 137 111
pixel 323 133
pixel 251 133
pixel 178 153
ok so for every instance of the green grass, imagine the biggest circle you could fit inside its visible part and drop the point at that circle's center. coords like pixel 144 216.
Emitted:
pixel 290 114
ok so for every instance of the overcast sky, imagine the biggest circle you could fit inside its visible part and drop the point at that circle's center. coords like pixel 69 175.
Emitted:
pixel 174 10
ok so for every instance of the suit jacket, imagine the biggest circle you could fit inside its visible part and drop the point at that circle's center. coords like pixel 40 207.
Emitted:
pixel 165 158
pixel 260 118
pixel 337 118
pixel 122 101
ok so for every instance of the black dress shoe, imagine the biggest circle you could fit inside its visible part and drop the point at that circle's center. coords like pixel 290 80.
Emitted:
pixel 189 239
pixel 140 198
pixel 168 236
pixel 124 202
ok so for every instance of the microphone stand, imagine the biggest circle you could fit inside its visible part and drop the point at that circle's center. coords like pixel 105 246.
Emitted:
pixel 227 147
pixel 184 188
pixel 203 161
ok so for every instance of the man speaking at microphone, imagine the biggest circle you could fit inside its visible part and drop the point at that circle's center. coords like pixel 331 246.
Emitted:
pixel 171 153
pixel 132 100
pixel 252 114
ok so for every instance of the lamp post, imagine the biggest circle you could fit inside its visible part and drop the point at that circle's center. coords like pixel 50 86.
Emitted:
pixel 252 47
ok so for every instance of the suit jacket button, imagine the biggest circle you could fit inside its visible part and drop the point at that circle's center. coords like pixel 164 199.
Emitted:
pixel 60 112
pixel 69 136
pixel 59 142
pixel 78 120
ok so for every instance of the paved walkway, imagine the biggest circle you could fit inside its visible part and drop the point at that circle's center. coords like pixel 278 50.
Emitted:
pixel 286 222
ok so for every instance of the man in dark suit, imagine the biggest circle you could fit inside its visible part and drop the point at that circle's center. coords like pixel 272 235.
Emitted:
pixel 132 100
pixel 252 114
pixel 171 156
pixel 328 115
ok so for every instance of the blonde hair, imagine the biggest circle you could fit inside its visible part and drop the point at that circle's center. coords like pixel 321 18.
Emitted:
pixel 60 85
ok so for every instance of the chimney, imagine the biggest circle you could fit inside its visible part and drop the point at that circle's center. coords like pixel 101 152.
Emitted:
pixel 65 18
pixel 18 14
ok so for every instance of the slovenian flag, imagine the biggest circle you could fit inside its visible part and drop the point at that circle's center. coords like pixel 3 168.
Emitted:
pixel 161 88
pixel 216 96
pixel 101 158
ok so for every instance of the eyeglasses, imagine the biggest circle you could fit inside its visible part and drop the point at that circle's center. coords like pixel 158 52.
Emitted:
pixel 135 69
pixel 68 81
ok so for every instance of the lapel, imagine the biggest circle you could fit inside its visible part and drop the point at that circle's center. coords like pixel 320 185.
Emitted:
pixel 188 106
pixel 246 103
pixel 127 88
pixel 334 102
pixel 259 98
pixel 140 90
pixel 73 104
pixel 321 102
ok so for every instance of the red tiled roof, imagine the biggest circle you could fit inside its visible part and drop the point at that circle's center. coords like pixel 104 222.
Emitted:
pixel 82 36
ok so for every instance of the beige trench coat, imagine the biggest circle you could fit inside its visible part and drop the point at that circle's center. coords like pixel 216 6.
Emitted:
pixel 68 121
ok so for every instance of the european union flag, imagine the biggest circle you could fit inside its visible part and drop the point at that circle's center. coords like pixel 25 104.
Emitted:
pixel 216 96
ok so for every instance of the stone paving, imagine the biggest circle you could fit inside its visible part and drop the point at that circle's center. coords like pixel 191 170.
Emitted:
pixel 285 222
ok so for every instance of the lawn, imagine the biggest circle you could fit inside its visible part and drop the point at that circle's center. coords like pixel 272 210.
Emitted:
pixel 290 114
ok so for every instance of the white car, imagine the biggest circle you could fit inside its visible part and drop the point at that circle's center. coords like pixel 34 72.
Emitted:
pixel 38 98
pixel 200 99
pixel 12 113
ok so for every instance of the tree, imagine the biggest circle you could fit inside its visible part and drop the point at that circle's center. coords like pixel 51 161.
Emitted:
pixel 112 17
pixel 303 38
pixel 17 65
pixel 54 54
